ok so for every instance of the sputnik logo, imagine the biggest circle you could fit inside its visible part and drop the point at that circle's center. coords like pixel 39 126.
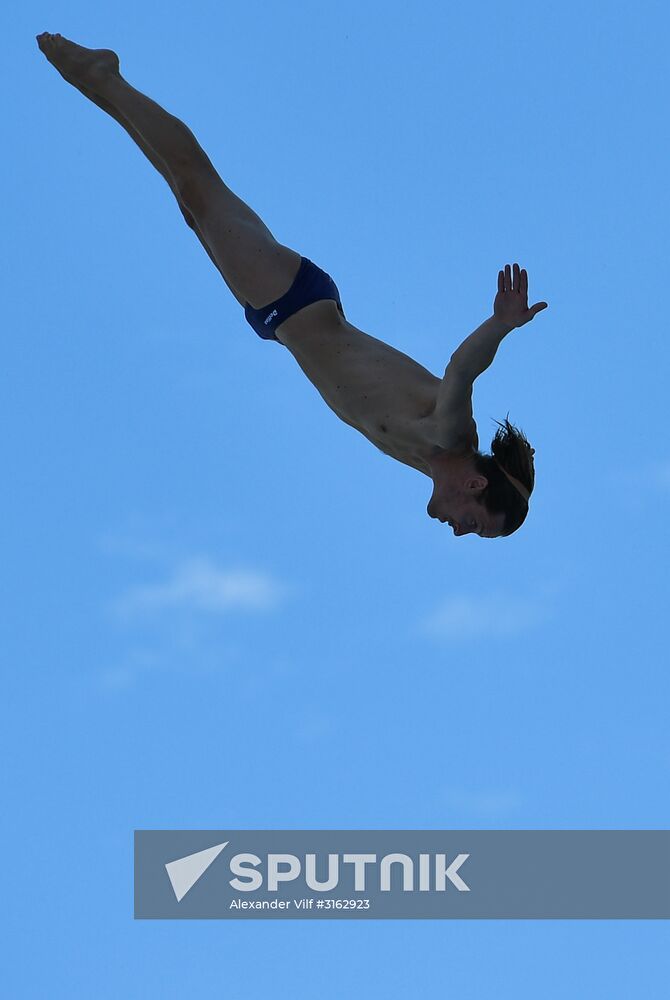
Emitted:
pixel 185 872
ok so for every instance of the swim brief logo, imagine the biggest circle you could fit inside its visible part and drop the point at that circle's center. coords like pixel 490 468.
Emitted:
pixel 273 313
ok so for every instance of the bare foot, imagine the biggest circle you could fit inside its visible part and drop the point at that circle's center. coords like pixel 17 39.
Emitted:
pixel 78 65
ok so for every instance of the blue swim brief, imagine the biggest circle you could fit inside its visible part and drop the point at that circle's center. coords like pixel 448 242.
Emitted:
pixel 311 285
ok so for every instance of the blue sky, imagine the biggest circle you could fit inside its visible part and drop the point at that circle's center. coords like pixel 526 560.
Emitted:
pixel 225 609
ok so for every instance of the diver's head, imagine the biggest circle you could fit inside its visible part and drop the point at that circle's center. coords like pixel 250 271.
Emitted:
pixel 457 500
pixel 485 494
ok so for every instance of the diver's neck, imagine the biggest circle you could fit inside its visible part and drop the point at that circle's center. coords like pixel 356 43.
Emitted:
pixel 443 462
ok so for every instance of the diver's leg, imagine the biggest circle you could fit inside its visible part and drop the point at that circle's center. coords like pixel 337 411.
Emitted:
pixel 162 169
pixel 243 248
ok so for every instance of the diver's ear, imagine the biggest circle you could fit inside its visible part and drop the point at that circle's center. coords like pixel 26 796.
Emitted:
pixel 476 484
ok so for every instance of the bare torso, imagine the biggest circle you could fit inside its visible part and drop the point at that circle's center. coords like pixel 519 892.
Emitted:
pixel 371 386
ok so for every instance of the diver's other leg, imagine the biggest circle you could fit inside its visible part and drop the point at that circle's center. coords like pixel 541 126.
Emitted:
pixel 243 248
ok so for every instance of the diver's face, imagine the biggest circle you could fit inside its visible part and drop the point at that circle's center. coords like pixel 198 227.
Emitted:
pixel 466 514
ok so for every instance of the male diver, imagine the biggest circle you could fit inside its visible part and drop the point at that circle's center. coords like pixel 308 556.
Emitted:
pixel 404 410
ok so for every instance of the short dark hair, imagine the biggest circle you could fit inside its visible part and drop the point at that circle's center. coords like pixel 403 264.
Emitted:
pixel 511 449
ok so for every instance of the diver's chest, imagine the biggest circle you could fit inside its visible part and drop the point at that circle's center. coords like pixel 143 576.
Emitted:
pixel 388 393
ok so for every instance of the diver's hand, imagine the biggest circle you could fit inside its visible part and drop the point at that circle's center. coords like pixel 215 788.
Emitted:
pixel 511 303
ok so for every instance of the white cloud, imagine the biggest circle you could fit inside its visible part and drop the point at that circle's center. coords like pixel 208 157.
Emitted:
pixel 194 657
pixel 471 617
pixel 200 585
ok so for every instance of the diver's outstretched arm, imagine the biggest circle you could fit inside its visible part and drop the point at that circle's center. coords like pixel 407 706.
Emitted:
pixel 453 405
pixel 453 408
pixel 510 310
